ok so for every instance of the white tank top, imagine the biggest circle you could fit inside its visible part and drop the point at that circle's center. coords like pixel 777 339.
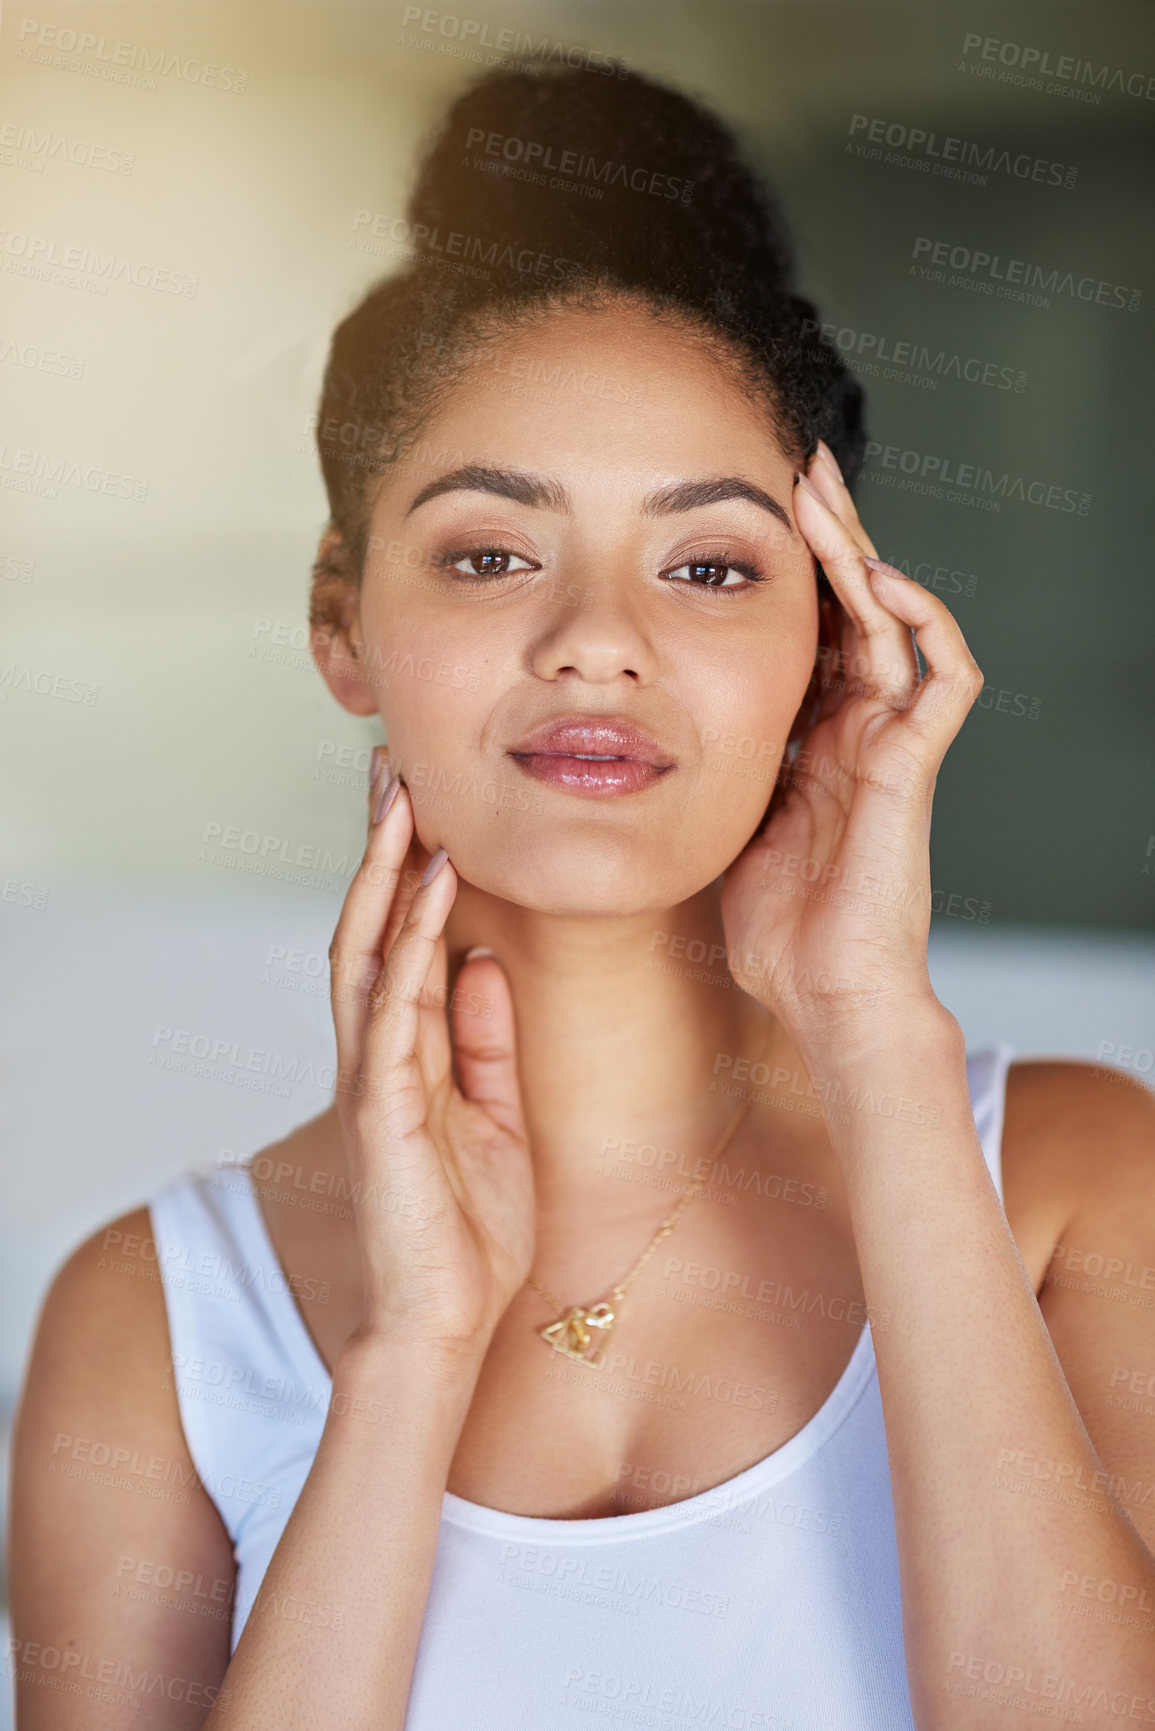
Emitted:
pixel 771 1600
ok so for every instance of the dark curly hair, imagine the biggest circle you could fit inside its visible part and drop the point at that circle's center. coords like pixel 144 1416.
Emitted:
pixel 570 187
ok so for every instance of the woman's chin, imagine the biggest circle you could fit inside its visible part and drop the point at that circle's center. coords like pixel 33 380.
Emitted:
pixel 582 881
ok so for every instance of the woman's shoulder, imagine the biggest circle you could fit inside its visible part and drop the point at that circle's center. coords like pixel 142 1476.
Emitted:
pixel 101 1354
pixel 106 1497
pixel 1078 1146
pixel 111 1276
pixel 100 1402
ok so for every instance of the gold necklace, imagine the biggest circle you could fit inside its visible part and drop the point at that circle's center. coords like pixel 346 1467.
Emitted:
pixel 574 1332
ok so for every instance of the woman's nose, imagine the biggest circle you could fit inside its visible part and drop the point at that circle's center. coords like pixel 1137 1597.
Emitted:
pixel 590 628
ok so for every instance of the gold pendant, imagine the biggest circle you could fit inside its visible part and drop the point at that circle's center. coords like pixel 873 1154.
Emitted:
pixel 572 1335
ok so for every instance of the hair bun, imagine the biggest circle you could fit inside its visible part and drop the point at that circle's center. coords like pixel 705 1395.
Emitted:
pixel 616 171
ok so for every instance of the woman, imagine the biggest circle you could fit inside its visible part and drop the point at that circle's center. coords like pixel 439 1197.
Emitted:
pixel 640 1332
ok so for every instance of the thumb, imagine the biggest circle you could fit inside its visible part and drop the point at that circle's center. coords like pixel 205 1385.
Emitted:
pixel 484 1044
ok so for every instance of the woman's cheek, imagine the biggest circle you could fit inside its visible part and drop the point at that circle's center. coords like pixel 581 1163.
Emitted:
pixel 433 707
pixel 744 721
pixel 741 750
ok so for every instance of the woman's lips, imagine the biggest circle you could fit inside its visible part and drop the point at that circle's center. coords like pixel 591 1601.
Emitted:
pixel 588 775
pixel 600 757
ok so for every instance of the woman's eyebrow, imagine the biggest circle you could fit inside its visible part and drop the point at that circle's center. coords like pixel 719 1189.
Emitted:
pixel 515 484
pixel 689 495
pixel 538 490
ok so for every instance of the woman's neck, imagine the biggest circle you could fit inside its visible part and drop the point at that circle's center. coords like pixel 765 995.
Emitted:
pixel 631 1036
pixel 628 1030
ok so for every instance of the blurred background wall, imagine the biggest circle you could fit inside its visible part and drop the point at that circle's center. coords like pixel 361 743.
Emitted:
pixel 187 196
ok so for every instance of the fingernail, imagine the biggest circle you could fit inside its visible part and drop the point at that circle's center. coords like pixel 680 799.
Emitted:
pixel 388 794
pixel 825 451
pixel 812 489
pixel 887 570
pixel 477 950
pixel 433 867
pixel 377 763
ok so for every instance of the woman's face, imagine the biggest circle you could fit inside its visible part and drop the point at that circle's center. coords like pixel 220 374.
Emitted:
pixel 587 617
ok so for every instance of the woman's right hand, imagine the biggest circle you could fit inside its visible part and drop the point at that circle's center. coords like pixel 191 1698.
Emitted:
pixel 439 1165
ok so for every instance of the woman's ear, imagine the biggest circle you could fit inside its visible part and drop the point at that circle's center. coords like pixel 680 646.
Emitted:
pixel 335 626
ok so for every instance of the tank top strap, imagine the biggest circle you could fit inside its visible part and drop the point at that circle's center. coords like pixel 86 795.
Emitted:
pixel 251 1388
pixel 987 1080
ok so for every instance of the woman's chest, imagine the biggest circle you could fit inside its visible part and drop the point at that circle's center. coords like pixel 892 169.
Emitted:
pixel 728 1348
pixel 694 1385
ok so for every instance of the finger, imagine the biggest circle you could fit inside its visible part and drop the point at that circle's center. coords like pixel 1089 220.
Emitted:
pixel 484 1044
pixel 382 774
pixel 825 474
pixel 412 867
pixel 394 1069
pixel 884 656
pixel 355 953
pixel 378 761
pixel 434 1052
pixel 436 985
pixel 953 678
pixel 828 477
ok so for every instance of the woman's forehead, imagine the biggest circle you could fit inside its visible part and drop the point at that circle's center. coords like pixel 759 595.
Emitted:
pixel 585 406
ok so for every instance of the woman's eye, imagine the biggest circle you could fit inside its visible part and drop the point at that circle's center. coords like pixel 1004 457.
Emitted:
pixel 713 573
pixel 487 562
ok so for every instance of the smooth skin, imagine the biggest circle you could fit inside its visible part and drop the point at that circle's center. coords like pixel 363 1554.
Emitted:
pixel 477 1098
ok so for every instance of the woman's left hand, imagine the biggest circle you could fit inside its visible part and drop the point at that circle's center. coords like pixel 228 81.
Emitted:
pixel 827 908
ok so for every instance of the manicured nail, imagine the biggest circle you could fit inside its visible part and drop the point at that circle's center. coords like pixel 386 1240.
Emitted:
pixel 388 794
pixel 887 570
pixel 811 488
pixel 433 867
pixel 377 762
pixel 477 950
pixel 827 454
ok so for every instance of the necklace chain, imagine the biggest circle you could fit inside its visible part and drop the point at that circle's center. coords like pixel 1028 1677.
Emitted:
pixel 618 1292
